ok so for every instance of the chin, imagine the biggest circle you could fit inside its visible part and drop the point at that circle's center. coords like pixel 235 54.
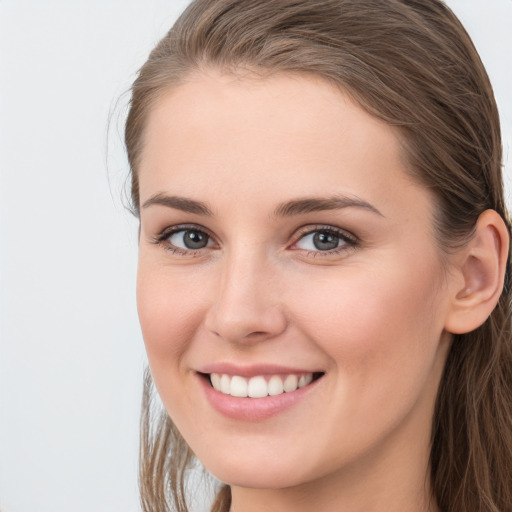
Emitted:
pixel 269 472
pixel 257 477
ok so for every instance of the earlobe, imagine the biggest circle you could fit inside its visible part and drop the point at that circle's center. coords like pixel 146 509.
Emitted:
pixel 482 268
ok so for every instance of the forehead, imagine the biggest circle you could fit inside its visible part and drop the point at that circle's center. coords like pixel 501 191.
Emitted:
pixel 232 136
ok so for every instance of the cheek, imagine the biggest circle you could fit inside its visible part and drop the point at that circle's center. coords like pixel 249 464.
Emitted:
pixel 169 314
pixel 381 335
pixel 379 320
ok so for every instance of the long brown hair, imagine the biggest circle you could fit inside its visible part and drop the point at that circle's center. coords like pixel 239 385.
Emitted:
pixel 411 64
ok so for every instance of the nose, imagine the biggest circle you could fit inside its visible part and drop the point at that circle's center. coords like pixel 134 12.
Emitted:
pixel 246 307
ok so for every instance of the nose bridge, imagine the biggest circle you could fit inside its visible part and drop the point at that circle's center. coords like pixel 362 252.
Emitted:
pixel 246 304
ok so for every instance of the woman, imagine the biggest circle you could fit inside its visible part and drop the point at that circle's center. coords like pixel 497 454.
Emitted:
pixel 323 282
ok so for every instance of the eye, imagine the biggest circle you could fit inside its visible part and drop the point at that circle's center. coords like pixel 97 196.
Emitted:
pixel 325 239
pixel 189 239
pixel 184 240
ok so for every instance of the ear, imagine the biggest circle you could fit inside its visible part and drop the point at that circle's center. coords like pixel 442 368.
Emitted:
pixel 480 270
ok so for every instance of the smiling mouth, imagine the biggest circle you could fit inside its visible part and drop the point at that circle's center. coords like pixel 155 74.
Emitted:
pixel 260 386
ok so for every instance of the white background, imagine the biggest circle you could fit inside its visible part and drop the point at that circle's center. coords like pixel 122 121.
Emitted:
pixel 71 353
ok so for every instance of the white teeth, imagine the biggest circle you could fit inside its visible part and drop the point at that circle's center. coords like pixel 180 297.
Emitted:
pixel 215 378
pixel 304 380
pixel 238 386
pixel 291 382
pixel 275 386
pixel 225 384
pixel 259 386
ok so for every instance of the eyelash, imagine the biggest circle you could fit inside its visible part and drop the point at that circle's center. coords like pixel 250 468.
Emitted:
pixel 163 239
pixel 349 240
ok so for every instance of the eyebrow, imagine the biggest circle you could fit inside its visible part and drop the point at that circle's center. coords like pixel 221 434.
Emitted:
pixel 289 208
pixel 318 204
pixel 179 203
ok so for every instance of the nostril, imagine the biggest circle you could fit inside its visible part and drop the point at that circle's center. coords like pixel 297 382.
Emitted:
pixel 239 319
pixel 256 334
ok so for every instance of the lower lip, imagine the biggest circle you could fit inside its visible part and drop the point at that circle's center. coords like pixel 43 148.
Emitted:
pixel 253 409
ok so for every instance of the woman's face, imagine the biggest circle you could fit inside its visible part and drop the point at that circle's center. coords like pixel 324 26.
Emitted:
pixel 283 242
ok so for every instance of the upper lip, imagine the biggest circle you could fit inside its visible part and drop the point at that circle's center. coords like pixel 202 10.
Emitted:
pixel 254 370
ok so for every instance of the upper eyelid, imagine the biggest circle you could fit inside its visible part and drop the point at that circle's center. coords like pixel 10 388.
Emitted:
pixel 307 230
pixel 297 235
pixel 162 239
pixel 170 230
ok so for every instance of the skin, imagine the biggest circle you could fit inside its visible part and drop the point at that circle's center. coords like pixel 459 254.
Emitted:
pixel 372 315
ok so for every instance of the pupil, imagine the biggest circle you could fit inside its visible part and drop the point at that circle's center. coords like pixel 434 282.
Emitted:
pixel 325 241
pixel 195 240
